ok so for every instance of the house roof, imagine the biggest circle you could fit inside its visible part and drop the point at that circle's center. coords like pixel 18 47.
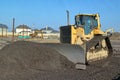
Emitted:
pixel 47 28
pixel 50 29
pixel 55 31
pixel 23 26
pixel 3 26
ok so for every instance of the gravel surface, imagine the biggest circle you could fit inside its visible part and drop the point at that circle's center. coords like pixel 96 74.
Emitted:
pixel 34 61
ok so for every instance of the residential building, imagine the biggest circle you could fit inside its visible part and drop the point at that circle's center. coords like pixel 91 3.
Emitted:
pixel 23 28
pixel 49 32
pixel 3 30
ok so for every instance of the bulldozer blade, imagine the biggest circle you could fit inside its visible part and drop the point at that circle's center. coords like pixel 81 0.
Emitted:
pixel 74 53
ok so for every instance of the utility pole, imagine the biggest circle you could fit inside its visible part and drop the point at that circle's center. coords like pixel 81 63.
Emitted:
pixel 2 31
pixel 13 25
pixel 6 31
pixel 23 31
pixel 68 19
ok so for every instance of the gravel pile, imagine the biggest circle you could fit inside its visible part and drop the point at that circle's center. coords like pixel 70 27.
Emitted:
pixel 22 56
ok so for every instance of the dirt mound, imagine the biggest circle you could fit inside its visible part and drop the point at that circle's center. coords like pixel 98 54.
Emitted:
pixel 24 56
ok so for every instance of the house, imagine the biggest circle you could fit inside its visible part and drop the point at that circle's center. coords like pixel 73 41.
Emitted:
pixel 23 28
pixel 23 31
pixel 49 32
pixel 3 30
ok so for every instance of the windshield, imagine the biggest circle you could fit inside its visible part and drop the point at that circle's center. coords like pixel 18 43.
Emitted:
pixel 86 20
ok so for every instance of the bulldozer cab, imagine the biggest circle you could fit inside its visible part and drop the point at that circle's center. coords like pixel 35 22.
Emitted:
pixel 88 22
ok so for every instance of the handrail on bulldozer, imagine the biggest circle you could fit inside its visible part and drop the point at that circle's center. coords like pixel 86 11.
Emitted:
pixel 111 30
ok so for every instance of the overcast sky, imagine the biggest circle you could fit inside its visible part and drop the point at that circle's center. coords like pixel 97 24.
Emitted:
pixel 41 13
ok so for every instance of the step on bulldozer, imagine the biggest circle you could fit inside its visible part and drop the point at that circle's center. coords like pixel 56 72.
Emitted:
pixel 84 42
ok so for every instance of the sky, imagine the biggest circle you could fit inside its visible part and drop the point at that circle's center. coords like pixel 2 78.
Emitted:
pixel 42 13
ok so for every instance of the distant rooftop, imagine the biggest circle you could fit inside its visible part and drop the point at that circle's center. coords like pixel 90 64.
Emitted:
pixel 50 29
pixel 55 31
pixel 3 26
pixel 47 28
pixel 23 26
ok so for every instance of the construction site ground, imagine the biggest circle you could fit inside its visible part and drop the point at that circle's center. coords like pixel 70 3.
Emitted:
pixel 32 60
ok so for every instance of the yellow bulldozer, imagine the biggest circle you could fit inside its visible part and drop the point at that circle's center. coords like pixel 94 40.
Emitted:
pixel 84 42
pixel 35 34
